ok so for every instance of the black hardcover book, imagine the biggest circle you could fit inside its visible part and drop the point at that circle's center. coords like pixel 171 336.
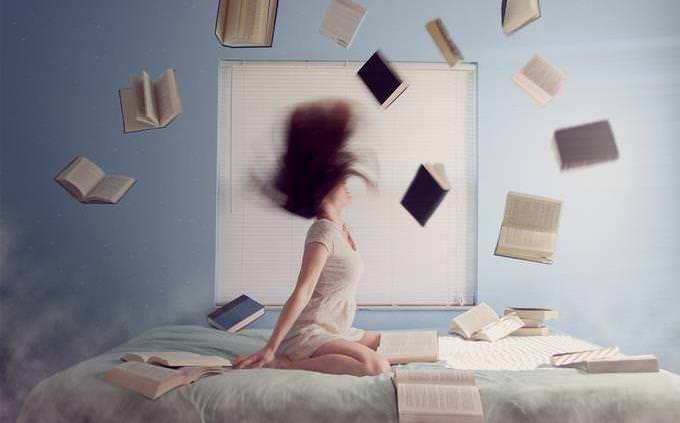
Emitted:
pixel 426 192
pixel 236 314
pixel 381 80
pixel 586 144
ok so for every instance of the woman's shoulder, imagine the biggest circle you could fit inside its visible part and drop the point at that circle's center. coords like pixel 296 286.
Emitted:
pixel 322 231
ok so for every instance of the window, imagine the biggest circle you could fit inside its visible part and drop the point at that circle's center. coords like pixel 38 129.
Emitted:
pixel 259 247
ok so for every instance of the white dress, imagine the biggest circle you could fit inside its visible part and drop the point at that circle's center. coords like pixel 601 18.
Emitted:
pixel 330 312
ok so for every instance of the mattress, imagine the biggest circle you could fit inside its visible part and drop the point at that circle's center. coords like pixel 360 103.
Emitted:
pixel 80 394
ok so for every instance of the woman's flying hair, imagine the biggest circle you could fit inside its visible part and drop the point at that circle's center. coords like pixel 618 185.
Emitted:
pixel 316 159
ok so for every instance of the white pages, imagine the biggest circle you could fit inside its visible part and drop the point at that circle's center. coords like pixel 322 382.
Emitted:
pixel 409 346
pixel 342 21
pixel 540 80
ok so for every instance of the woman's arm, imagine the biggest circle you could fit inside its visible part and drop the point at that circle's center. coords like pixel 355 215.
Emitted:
pixel 313 261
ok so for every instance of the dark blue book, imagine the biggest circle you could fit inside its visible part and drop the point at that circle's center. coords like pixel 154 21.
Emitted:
pixel 236 314
pixel 381 80
pixel 426 192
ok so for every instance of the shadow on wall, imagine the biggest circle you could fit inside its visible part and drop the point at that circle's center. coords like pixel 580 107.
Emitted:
pixel 41 331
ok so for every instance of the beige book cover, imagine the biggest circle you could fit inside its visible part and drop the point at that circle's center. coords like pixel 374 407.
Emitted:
pixel 409 346
pixel 246 23
pixel 540 80
pixel 437 395
pixel 88 183
pixel 444 43
pixel 149 104
pixel 529 228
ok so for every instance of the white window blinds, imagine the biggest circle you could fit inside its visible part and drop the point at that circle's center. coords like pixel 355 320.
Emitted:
pixel 259 247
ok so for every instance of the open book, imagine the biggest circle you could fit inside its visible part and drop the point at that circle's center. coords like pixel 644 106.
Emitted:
pixel 342 21
pixel 246 23
pixel 90 184
pixel 409 346
pixel 516 14
pixel 540 80
pixel 529 229
pixel 481 323
pixel 437 395
pixel 176 359
pixel 153 381
pixel 150 104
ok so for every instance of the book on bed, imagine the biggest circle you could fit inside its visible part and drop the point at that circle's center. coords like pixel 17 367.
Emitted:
pixel 481 323
pixel 88 183
pixel 529 228
pixel 381 80
pixel 342 21
pixel 236 314
pixel 409 346
pixel 150 104
pixel 426 192
pixel 437 395
pixel 153 381
pixel 246 23
pixel 533 320
pixel 176 359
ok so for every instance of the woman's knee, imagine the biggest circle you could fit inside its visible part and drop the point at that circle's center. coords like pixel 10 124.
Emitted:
pixel 377 364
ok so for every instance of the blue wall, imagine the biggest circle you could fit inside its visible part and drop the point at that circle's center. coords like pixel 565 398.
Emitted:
pixel 77 279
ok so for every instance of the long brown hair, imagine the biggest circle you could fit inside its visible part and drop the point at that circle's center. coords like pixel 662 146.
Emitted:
pixel 316 159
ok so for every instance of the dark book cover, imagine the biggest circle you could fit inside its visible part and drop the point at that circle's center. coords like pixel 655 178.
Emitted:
pixel 423 196
pixel 234 312
pixel 380 79
pixel 586 144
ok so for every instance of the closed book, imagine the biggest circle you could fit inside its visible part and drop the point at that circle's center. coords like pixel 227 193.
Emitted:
pixel 586 144
pixel 525 331
pixel 236 314
pixel 625 364
pixel 426 192
pixel 526 313
pixel 516 14
pixel 381 80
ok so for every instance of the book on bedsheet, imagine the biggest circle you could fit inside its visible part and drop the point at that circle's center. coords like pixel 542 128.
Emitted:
pixel 153 381
pixel 176 359
pixel 481 323
pixel 236 314
pixel 606 360
pixel 409 346
pixel 437 395
pixel 533 320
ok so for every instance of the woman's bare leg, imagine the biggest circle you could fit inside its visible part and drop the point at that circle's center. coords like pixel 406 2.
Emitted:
pixel 340 357
pixel 370 339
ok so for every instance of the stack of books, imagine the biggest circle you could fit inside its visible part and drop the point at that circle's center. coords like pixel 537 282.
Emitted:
pixel 533 320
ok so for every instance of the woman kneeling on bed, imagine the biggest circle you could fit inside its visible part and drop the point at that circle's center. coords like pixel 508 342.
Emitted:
pixel 314 330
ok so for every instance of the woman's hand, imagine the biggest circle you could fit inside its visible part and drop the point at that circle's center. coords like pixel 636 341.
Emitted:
pixel 256 359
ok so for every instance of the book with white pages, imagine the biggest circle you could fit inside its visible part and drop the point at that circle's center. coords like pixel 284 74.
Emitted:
pixel 246 23
pixel 443 41
pixel 571 358
pixel 516 14
pixel 540 80
pixel 342 21
pixel 88 183
pixel 437 395
pixel 481 323
pixel 529 228
pixel 626 364
pixel 409 346
pixel 533 313
pixel 176 359
pixel 150 104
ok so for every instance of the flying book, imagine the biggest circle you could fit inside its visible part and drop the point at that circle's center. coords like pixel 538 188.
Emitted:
pixel 236 314
pixel 585 145
pixel 246 23
pixel 150 104
pixel 481 323
pixel 426 192
pixel 153 381
pixel 409 346
pixel 540 80
pixel 529 228
pixel 441 38
pixel 381 80
pixel 342 21
pixel 88 183
pixel 176 359
pixel 437 395
pixel 516 14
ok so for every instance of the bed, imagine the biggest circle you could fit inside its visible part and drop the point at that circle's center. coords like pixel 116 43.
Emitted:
pixel 80 394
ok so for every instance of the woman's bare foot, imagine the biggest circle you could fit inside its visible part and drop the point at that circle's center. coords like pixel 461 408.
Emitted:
pixel 279 363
